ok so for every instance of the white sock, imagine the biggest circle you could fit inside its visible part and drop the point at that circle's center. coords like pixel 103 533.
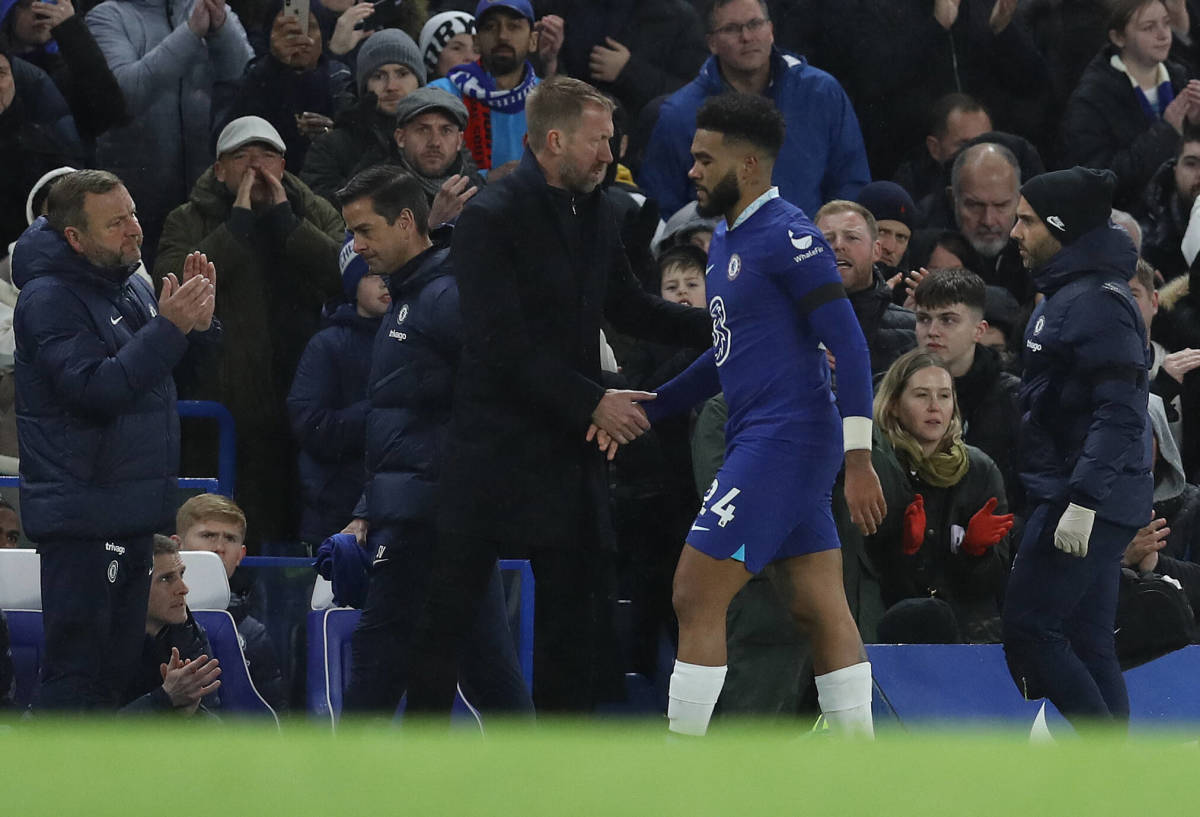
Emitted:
pixel 845 698
pixel 692 695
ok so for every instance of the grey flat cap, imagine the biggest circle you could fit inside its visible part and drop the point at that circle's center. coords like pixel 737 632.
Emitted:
pixel 428 99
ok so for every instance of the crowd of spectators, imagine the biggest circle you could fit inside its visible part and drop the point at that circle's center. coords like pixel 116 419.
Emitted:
pixel 911 126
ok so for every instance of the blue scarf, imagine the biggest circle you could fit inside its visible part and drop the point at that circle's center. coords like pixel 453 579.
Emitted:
pixel 475 83
pixel 1166 95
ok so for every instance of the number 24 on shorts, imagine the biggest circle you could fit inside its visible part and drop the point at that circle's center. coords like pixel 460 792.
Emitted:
pixel 723 507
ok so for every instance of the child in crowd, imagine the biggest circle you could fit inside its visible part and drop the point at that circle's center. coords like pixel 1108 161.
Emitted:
pixel 215 523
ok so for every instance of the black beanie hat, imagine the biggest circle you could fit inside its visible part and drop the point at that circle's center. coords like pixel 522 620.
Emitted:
pixel 888 201
pixel 1071 202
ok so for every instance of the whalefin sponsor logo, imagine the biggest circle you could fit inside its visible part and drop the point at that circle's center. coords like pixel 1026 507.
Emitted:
pixel 802 243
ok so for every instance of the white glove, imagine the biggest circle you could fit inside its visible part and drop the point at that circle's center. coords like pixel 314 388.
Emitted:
pixel 1074 529
pixel 1191 237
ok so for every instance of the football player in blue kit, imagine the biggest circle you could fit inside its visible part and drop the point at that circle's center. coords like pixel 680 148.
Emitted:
pixel 776 299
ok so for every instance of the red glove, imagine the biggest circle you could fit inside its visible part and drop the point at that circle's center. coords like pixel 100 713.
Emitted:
pixel 986 529
pixel 913 535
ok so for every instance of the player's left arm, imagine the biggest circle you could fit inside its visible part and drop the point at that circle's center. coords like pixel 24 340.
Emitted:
pixel 812 280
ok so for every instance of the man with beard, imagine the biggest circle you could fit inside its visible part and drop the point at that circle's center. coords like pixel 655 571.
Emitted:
pixel 495 88
pixel 853 235
pixel 1170 197
pixel 775 297
pixel 539 263
pixel 1085 448
pixel 429 145
pixel 97 424
pixel 984 191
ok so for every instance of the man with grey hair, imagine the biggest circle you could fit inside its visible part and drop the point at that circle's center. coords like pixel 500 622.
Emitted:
pixel 984 190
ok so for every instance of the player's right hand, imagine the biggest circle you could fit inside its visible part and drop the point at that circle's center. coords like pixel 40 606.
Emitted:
pixel 619 415
pixel 864 494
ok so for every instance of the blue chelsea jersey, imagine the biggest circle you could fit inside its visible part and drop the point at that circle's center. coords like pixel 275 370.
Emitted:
pixel 775 295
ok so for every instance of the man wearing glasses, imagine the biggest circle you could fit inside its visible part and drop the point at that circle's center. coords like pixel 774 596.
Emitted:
pixel 823 156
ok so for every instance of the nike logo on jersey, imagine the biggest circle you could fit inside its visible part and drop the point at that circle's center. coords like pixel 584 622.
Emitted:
pixel 708 269
pixel 698 527
pixel 801 243
pixel 116 320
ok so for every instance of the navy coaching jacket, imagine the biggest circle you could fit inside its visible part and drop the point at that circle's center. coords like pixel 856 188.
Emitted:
pixel 96 416
pixel 1085 435
pixel 411 387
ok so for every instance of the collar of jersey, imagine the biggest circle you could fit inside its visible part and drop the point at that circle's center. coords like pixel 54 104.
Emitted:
pixel 773 193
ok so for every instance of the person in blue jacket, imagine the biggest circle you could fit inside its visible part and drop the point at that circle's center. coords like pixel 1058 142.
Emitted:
pixel 97 425
pixel 823 156
pixel 1085 447
pixel 328 402
pixel 410 388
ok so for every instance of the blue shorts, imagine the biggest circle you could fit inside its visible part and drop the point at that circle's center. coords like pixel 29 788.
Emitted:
pixel 768 502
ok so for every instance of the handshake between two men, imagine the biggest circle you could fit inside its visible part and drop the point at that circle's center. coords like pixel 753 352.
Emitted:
pixel 619 419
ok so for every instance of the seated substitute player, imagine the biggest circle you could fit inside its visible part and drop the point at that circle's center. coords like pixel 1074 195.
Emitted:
pixel 774 294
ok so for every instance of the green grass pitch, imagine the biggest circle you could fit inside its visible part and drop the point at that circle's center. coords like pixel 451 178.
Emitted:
pixel 581 768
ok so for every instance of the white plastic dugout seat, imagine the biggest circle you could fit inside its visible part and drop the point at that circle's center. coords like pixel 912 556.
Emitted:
pixel 20 579
pixel 21 600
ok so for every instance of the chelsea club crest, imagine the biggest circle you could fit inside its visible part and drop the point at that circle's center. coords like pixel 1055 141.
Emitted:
pixel 735 266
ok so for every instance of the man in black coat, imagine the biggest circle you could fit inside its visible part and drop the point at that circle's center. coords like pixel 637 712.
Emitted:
pixel 539 264
pixel 853 234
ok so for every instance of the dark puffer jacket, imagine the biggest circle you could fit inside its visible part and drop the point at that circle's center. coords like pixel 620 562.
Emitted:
pixel 1164 219
pixel 1105 127
pixel 99 433
pixel 1085 436
pixel 890 330
pixel 328 409
pixel 361 137
pixel 411 387
pixel 988 398
pixel 145 693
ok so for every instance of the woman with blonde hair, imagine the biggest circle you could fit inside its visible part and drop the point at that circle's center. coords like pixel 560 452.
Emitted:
pixel 942 550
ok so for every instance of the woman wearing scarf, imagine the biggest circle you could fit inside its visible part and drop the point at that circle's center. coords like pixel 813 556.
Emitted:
pixel 1129 109
pixel 942 550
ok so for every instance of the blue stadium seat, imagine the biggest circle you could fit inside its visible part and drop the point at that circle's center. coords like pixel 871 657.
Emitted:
pixel 238 693
pixel 25 629
pixel 330 633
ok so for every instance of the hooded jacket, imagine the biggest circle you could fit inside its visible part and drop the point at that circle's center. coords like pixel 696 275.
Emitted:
pixel 328 410
pixel 1085 437
pixel 96 418
pixel 411 389
pixel 822 158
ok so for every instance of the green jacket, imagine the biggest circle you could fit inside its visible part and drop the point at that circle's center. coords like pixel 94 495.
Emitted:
pixel 274 272
pixel 972 585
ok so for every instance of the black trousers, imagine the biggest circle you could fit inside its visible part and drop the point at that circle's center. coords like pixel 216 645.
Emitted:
pixel 94 597
pixel 381 651
pixel 574 665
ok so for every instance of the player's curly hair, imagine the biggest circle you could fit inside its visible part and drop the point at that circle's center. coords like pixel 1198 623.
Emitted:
pixel 749 117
